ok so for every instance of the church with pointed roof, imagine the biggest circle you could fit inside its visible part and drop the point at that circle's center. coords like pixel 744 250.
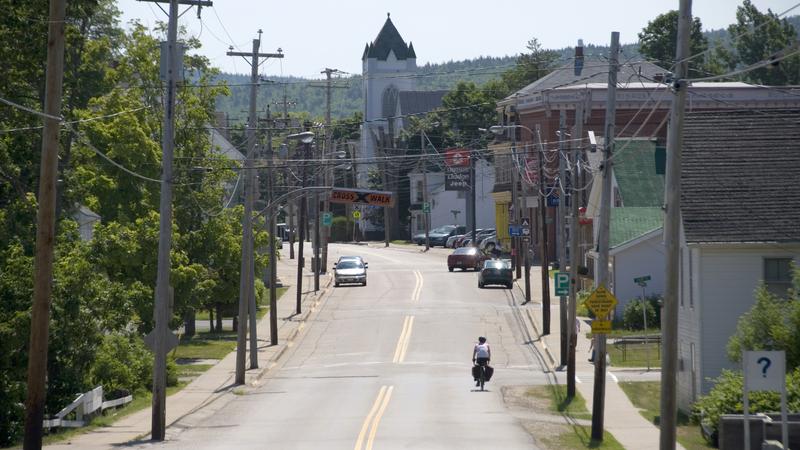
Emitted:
pixel 389 71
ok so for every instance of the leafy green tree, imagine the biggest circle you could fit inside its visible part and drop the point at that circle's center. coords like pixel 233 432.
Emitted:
pixel 658 42
pixel 759 37
pixel 771 324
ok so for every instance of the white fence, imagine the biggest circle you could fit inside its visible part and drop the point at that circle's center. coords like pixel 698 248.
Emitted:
pixel 85 405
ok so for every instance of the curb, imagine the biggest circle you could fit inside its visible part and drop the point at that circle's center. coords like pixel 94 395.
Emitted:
pixel 272 360
pixel 553 363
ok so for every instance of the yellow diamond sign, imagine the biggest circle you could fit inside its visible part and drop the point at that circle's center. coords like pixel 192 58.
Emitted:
pixel 601 302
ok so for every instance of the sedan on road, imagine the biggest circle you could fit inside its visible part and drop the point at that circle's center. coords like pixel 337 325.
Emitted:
pixel 350 271
pixel 465 258
pixel 496 271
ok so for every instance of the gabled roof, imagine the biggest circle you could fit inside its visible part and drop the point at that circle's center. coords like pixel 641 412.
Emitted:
pixel 741 176
pixel 595 70
pixel 635 172
pixel 417 102
pixel 388 40
pixel 630 223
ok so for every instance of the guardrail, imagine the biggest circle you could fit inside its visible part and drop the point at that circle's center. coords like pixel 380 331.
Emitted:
pixel 85 404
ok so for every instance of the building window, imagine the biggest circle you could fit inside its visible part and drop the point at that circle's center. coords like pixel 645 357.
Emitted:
pixel 778 275
pixel 420 192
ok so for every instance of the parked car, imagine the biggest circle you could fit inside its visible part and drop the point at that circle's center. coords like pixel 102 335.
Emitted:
pixel 439 236
pixel 496 271
pixel 489 243
pixel 464 237
pixel 465 258
pixel 451 241
pixel 350 271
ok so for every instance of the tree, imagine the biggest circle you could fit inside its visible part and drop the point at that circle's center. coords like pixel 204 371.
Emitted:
pixel 658 42
pixel 530 66
pixel 760 37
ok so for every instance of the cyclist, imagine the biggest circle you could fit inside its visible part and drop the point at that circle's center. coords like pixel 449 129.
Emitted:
pixel 481 355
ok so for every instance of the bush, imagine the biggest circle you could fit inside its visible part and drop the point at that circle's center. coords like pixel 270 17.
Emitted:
pixel 582 310
pixel 726 398
pixel 341 229
pixel 122 365
pixel 632 317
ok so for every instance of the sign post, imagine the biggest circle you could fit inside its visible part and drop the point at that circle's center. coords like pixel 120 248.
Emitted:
pixel 765 371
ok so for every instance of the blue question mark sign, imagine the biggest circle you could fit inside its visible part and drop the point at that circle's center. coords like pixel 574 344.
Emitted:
pixel 766 362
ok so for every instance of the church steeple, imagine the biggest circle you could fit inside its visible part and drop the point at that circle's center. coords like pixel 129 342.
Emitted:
pixel 388 40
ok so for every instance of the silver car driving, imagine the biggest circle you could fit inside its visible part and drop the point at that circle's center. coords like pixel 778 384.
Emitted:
pixel 350 271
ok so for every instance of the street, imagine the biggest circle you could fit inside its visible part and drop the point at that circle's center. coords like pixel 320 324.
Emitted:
pixel 385 365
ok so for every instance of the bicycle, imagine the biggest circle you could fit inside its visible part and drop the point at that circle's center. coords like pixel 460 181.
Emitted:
pixel 481 379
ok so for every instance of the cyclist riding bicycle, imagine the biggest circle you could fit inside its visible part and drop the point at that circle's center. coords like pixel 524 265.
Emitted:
pixel 481 354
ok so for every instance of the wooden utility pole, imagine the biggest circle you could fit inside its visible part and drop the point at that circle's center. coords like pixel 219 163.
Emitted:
pixel 572 329
pixel 543 247
pixel 301 225
pixel 161 340
pixel 247 275
pixel 45 230
pixel 562 232
pixel 290 202
pixel 272 211
pixel 326 236
pixel 598 403
pixel 672 221
pixel 425 214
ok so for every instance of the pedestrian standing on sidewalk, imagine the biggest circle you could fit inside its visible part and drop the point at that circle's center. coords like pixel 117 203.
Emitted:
pixel 592 347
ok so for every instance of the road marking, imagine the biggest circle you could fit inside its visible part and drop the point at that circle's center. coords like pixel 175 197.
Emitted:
pixel 374 429
pixel 402 342
pixel 374 417
pixel 415 297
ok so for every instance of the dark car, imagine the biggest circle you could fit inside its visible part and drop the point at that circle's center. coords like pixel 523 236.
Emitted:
pixel 465 258
pixel 439 236
pixel 496 271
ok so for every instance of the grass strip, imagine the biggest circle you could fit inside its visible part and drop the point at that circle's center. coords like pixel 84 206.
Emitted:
pixel 646 395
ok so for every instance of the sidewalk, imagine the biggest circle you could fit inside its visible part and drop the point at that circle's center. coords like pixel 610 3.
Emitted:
pixel 218 381
pixel 622 419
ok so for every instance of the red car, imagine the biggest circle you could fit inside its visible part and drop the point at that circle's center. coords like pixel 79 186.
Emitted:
pixel 466 258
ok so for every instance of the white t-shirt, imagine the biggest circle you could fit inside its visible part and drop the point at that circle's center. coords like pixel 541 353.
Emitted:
pixel 482 350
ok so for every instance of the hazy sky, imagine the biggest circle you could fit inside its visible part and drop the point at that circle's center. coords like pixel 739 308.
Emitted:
pixel 315 34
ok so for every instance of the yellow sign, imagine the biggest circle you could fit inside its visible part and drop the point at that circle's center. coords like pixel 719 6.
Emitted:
pixel 601 326
pixel 601 302
pixel 356 214
pixel 360 196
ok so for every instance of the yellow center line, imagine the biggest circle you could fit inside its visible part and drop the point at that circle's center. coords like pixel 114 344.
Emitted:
pixel 408 339
pixel 403 334
pixel 374 429
pixel 368 420
pixel 418 288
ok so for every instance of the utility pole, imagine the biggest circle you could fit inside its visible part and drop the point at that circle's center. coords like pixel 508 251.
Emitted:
pixel 317 265
pixel 45 230
pixel 598 403
pixel 577 148
pixel 515 210
pixel 562 230
pixel 543 247
pixel 290 222
pixel 302 229
pixel 672 194
pixel 161 340
pixel 271 213
pixel 472 196
pixel 247 275
pixel 328 150
pixel 425 215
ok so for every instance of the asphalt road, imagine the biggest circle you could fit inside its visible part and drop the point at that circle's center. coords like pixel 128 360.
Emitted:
pixel 385 366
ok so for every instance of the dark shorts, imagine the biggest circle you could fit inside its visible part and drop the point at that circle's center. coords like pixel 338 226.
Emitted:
pixel 481 361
